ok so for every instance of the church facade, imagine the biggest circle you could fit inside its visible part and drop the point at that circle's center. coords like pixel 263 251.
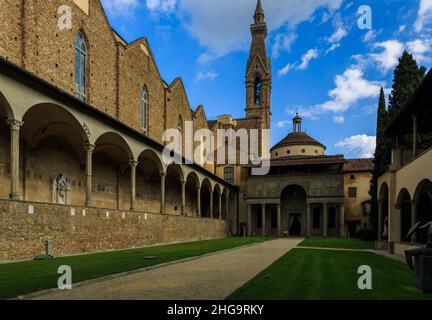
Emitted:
pixel 83 114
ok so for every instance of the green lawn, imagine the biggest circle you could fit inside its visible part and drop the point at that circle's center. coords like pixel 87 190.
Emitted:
pixel 31 276
pixel 337 243
pixel 308 274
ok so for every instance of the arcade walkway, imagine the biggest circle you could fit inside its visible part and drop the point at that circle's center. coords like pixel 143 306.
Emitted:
pixel 212 277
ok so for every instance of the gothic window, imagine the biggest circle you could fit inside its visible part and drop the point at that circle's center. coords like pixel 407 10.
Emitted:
pixel 80 66
pixel 144 108
pixel 229 174
pixel 258 91
pixel 352 192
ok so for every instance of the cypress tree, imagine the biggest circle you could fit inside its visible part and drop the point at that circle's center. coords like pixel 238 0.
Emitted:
pixel 407 77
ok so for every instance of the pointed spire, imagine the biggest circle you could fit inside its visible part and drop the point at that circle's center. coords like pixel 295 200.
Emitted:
pixel 259 13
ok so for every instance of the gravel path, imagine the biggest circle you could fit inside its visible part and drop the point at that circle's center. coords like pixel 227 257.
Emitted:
pixel 207 278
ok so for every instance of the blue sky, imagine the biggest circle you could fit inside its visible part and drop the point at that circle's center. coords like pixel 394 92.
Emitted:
pixel 324 66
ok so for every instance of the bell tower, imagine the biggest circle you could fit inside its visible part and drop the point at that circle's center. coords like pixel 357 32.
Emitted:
pixel 258 72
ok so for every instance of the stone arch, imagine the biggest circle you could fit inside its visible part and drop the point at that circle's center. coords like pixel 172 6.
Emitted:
pixel 206 192
pixel 423 199
pixel 57 140
pixel 173 185
pixel 112 172
pixel 6 113
pixel 293 208
pixel 192 185
pixel 225 203
pixel 404 205
pixel 383 203
pixel 148 181
pixel 217 191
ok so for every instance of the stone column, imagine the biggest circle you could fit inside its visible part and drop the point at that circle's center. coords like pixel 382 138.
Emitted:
pixel 249 225
pixel 227 205
pixel 89 148
pixel 279 220
pixel 183 197
pixel 211 204
pixel 220 206
pixel 342 221
pixel 380 220
pixel 263 229
pixel 325 218
pixel 198 201
pixel 162 200
pixel 133 164
pixel 308 220
pixel 15 126
pixel 413 219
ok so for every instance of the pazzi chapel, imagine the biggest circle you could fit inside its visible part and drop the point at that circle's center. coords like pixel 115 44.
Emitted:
pixel 82 115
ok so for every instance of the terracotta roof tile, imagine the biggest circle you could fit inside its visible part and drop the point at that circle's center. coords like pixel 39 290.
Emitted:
pixel 358 165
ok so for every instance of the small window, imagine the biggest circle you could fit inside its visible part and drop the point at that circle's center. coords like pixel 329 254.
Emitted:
pixel 144 108
pixel 352 192
pixel 229 174
pixel 303 151
pixel 288 151
pixel 80 67
pixel 353 177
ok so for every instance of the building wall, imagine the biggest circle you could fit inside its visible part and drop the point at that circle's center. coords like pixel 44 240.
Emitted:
pixel 298 151
pixel 353 206
pixel 74 231
pixel 10 30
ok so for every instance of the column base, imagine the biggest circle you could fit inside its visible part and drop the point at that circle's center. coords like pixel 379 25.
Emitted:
pixel 15 196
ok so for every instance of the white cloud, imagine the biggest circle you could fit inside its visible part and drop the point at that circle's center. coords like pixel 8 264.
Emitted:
pixel 350 88
pixel 361 145
pixel 120 7
pixel 222 26
pixel 388 57
pixel 339 119
pixel 307 58
pixel 424 15
pixel 402 28
pixel 371 35
pixel 206 76
pixel 283 41
pixel 284 71
pixel 421 50
pixel 283 123
pixel 161 6
pixel 336 38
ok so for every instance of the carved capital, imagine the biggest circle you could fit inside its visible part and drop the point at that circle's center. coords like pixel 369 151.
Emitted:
pixel 133 163
pixel 162 174
pixel 14 124
pixel 89 148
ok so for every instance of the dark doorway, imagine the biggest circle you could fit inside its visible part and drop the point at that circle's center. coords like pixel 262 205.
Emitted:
pixel 295 225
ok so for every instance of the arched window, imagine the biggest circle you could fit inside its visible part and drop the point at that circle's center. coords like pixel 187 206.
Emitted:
pixel 258 87
pixel 80 66
pixel 229 174
pixel 144 108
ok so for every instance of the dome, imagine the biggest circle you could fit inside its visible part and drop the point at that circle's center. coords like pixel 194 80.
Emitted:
pixel 298 143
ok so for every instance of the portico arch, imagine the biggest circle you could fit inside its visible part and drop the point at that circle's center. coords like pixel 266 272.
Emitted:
pixel 174 180
pixel 150 173
pixel 193 194
pixel 383 212
pixel 423 204
pixel 404 205
pixel 206 198
pixel 57 140
pixel 293 207
pixel 217 203
pixel 6 114
pixel 112 172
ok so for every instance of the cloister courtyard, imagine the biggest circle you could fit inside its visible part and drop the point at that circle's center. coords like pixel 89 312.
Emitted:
pixel 272 269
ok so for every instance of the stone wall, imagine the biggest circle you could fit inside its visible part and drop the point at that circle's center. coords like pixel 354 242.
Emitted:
pixel 24 228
